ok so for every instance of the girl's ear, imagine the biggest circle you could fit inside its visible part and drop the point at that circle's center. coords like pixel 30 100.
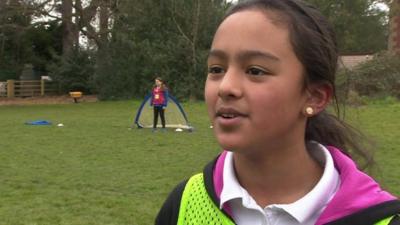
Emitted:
pixel 319 96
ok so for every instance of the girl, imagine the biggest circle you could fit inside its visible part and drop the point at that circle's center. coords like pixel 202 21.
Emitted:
pixel 159 101
pixel 271 72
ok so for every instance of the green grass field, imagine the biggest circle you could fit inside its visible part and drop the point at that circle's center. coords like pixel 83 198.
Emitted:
pixel 94 170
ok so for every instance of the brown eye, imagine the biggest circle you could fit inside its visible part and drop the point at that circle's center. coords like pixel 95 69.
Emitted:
pixel 256 71
pixel 216 70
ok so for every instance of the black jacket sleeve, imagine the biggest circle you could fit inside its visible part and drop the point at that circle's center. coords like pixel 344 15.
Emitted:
pixel 395 220
pixel 372 215
pixel 169 212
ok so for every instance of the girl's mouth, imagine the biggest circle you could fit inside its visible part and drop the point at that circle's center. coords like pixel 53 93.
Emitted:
pixel 228 113
pixel 228 117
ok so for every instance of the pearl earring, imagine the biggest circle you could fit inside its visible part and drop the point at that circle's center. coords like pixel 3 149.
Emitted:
pixel 309 111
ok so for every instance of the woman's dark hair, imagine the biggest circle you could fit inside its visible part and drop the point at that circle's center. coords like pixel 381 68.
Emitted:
pixel 314 43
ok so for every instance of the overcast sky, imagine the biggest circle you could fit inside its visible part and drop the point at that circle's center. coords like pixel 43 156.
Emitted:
pixel 382 6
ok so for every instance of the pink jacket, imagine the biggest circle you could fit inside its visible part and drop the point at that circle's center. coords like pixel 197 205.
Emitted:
pixel 357 191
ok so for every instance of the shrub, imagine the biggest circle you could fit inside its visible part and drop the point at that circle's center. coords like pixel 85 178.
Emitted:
pixel 379 77
pixel 74 72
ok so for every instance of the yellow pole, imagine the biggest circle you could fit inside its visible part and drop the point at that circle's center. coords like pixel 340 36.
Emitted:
pixel 10 88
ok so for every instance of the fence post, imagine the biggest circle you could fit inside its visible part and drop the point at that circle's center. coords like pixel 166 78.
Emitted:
pixel 10 88
pixel 42 88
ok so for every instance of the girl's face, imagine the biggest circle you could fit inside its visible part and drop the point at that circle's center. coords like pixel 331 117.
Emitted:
pixel 158 83
pixel 254 90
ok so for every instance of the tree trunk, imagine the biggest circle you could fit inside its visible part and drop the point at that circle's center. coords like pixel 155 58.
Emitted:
pixel 77 25
pixel 394 35
pixel 195 32
pixel 104 17
pixel 68 30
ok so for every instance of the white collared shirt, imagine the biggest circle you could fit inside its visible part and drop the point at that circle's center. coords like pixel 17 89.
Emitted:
pixel 304 211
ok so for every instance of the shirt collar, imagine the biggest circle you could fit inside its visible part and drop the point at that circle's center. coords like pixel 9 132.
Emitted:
pixel 313 202
pixel 231 189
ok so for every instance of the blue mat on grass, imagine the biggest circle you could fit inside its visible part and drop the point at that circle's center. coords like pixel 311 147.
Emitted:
pixel 38 122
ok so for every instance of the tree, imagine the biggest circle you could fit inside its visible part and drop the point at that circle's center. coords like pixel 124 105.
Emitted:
pixel 14 45
pixel 90 19
pixel 68 30
pixel 394 37
pixel 360 27
pixel 168 38
pixel 46 44
pixel 129 42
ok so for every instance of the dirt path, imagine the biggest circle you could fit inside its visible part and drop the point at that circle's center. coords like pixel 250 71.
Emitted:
pixel 46 100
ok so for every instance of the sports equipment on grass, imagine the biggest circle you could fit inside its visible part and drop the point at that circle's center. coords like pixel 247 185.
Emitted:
pixel 175 116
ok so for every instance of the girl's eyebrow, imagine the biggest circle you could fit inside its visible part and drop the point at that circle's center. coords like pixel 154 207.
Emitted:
pixel 248 54
pixel 243 55
pixel 215 53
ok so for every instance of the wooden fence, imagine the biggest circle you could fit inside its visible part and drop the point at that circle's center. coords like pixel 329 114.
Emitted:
pixel 27 88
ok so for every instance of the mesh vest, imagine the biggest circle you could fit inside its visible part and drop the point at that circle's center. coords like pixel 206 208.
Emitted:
pixel 197 208
pixel 385 221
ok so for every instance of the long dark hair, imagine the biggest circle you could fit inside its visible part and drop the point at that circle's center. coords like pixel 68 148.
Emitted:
pixel 163 85
pixel 314 43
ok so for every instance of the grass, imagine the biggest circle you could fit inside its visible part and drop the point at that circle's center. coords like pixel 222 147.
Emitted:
pixel 95 170
pixel 380 121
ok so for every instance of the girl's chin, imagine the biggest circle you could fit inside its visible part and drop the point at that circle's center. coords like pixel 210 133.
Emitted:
pixel 231 139
pixel 230 145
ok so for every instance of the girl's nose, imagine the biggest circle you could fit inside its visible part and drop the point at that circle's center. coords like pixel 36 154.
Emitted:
pixel 230 85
